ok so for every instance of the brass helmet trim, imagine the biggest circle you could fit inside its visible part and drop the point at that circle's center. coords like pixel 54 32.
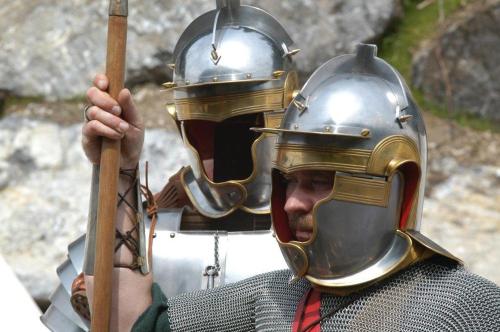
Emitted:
pixel 219 108
pixel 395 258
pixel 216 80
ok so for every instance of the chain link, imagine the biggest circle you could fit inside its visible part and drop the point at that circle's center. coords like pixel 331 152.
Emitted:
pixel 216 251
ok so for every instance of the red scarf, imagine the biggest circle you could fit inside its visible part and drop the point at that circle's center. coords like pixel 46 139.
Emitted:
pixel 308 311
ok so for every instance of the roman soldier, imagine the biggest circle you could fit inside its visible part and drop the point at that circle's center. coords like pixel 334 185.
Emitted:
pixel 210 225
pixel 345 181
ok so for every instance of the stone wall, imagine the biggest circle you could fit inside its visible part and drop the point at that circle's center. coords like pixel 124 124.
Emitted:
pixel 53 48
pixel 459 66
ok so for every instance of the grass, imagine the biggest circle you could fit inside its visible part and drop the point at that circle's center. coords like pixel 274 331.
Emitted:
pixel 11 101
pixel 22 101
pixel 398 46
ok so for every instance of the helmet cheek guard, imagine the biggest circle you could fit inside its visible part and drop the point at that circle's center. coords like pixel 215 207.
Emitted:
pixel 355 117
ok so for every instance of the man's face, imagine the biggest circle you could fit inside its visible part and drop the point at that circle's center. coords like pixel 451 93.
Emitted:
pixel 303 190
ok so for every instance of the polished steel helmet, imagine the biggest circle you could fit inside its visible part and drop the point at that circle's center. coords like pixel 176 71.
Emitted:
pixel 232 71
pixel 354 116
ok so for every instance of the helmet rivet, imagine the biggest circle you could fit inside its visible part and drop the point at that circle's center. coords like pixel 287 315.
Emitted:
pixel 215 79
pixel 278 73
pixel 169 85
pixel 405 118
pixel 365 132
pixel 328 129
pixel 295 126
pixel 172 235
pixel 187 82
pixel 249 75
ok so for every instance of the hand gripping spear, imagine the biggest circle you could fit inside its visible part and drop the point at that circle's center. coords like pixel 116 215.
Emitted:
pixel 109 172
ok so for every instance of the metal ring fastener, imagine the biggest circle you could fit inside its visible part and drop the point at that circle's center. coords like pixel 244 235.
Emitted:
pixel 85 109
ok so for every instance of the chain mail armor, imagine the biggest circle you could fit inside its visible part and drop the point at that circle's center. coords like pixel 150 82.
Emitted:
pixel 429 296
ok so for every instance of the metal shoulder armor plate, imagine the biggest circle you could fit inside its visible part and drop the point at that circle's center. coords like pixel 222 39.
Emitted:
pixel 185 261
pixel 60 315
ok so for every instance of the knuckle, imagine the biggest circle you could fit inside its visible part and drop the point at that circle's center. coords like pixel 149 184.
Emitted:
pixel 94 127
pixel 91 93
pixel 92 112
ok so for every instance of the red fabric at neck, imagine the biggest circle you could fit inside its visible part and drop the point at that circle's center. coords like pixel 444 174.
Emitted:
pixel 308 311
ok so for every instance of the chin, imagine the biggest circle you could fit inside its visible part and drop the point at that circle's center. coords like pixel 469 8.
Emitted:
pixel 303 236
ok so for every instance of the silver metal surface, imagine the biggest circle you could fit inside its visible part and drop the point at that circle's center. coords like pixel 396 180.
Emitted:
pixel 89 258
pixel 258 189
pixel 76 252
pixel 230 50
pixel 352 237
pixel 358 91
pixel 216 200
pixel 243 16
pixel 67 273
pixel 60 299
pixel 353 103
pixel 118 8
pixel 180 262
pixel 60 316
pixel 209 199
pixel 245 54
pixel 56 321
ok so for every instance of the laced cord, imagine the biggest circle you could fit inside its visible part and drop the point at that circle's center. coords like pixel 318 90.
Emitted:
pixel 152 211
pixel 129 238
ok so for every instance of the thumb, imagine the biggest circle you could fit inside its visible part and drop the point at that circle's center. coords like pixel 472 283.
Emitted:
pixel 130 113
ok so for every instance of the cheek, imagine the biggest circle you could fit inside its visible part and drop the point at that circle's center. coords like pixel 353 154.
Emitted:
pixel 322 193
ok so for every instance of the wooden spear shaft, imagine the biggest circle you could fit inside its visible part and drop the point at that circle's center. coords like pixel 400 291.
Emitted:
pixel 109 172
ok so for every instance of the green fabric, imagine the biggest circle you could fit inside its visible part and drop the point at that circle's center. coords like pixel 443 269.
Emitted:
pixel 155 318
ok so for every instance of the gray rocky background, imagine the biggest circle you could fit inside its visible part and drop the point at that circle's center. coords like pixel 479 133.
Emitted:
pixel 460 67
pixel 51 50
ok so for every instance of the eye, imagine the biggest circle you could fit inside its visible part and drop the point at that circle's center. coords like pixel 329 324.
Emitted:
pixel 322 182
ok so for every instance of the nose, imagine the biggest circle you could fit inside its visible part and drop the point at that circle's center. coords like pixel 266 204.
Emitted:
pixel 298 200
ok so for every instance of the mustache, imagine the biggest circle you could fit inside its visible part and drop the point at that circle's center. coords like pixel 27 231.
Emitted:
pixel 300 221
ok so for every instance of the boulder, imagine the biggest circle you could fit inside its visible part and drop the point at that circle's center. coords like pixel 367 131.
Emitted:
pixel 53 48
pixel 459 66
pixel 44 190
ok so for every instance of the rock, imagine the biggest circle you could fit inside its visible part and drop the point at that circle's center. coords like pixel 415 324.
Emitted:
pixel 324 29
pixel 54 48
pixel 462 215
pixel 45 193
pixel 459 66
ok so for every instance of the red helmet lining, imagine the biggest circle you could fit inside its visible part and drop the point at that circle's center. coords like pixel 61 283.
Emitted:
pixel 411 174
pixel 278 198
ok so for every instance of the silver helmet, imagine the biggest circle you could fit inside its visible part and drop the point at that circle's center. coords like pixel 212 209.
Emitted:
pixel 232 71
pixel 354 116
